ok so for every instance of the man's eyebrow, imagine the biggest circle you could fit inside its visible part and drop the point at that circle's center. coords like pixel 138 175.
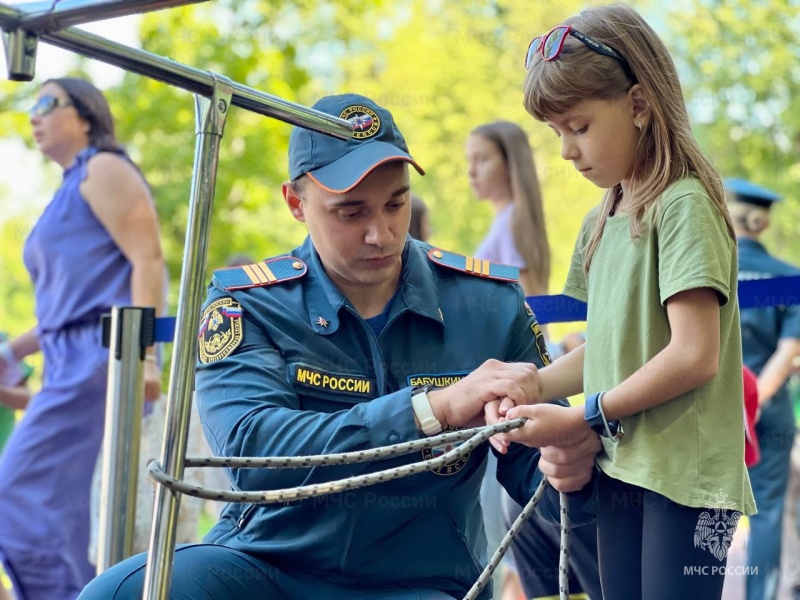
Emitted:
pixel 403 190
pixel 348 202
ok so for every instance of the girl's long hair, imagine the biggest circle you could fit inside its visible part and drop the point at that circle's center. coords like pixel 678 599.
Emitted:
pixel 667 151
pixel 528 226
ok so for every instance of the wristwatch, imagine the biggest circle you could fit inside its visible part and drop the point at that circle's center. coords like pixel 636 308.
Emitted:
pixel 428 422
pixel 593 415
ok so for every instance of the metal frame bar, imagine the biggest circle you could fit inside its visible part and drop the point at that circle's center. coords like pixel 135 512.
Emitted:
pixel 46 16
pixel 174 73
pixel 214 95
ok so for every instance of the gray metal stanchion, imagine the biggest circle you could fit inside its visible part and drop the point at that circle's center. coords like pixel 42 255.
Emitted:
pixel 129 331
pixel 210 114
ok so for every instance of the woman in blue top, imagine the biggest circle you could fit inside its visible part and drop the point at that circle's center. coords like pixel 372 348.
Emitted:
pixel 95 245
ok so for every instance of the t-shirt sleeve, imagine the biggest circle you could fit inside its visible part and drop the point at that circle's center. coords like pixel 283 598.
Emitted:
pixel 694 247
pixel 575 286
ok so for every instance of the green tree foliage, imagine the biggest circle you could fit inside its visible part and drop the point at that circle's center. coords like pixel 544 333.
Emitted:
pixel 442 67
pixel 741 66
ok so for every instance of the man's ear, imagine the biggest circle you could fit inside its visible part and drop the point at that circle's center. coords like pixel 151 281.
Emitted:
pixel 293 201
pixel 640 107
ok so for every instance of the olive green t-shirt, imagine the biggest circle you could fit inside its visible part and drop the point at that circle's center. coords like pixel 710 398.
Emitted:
pixel 690 448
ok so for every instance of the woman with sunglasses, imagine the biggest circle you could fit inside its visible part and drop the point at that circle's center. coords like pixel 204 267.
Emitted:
pixel 656 262
pixel 95 245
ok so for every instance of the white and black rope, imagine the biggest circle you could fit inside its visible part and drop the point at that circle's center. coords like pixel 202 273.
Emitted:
pixel 471 439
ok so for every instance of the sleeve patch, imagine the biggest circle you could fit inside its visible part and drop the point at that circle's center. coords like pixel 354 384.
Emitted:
pixel 541 345
pixel 220 331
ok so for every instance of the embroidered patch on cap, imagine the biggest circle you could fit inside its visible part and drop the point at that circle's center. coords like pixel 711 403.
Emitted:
pixel 365 121
pixel 220 331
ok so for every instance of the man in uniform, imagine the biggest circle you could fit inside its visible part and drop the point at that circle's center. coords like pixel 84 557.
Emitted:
pixel 360 338
pixel 770 342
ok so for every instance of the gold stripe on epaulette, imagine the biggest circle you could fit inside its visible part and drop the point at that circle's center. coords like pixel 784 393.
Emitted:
pixel 470 260
pixel 248 270
pixel 255 276
pixel 486 265
pixel 266 271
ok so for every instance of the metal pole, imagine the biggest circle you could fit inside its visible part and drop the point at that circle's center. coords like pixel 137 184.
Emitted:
pixel 131 331
pixel 47 16
pixel 20 49
pixel 210 117
pixel 174 73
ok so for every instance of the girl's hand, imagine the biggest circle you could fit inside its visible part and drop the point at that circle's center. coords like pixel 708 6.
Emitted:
pixel 547 425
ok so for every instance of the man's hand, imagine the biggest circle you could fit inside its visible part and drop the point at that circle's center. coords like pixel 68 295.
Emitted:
pixel 462 404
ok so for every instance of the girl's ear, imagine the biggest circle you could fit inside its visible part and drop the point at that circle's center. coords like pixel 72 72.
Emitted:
pixel 640 108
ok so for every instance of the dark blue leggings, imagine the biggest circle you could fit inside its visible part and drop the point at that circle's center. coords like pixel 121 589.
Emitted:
pixel 651 548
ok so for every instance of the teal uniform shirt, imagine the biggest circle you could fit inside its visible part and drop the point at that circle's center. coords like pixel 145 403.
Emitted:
pixel 301 373
pixel 762 328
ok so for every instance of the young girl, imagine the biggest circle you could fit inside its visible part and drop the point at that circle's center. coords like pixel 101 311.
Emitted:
pixel 656 262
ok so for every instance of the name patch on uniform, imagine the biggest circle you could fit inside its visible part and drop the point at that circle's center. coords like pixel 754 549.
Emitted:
pixel 317 379
pixel 220 331
pixel 541 345
pixel 437 379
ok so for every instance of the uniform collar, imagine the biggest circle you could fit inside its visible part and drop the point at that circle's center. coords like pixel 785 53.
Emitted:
pixel 750 244
pixel 324 301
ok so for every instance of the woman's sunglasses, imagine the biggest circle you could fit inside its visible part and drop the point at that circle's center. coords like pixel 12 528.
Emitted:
pixel 47 104
pixel 550 46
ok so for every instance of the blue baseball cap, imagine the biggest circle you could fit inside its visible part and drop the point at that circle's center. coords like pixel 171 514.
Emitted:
pixel 750 193
pixel 340 165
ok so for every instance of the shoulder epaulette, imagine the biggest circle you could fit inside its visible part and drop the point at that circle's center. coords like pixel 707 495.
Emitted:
pixel 473 266
pixel 261 274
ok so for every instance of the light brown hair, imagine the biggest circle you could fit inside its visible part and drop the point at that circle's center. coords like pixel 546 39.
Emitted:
pixel 667 151
pixel 528 225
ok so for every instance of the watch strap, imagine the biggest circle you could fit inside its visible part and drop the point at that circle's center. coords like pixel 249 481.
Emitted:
pixel 428 422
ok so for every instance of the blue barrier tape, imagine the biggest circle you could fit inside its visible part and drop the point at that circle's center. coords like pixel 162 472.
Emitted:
pixel 754 293
pixel 165 329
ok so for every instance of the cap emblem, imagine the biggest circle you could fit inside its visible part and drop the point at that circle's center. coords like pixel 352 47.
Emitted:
pixel 365 121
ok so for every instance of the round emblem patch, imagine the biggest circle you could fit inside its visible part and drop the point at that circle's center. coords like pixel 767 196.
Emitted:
pixel 220 331
pixel 365 121
pixel 437 451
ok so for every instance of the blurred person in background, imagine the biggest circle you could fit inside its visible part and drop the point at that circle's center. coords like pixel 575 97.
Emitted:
pixel 420 226
pixel 96 245
pixel 770 344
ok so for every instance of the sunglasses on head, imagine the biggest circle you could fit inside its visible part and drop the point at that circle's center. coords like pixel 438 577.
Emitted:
pixel 47 104
pixel 551 44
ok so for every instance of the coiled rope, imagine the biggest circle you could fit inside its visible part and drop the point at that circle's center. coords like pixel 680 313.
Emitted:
pixel 471 438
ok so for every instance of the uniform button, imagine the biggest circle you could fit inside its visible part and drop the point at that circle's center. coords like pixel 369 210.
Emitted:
pixel 393 437
pixel 437 254
pixel 297 265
